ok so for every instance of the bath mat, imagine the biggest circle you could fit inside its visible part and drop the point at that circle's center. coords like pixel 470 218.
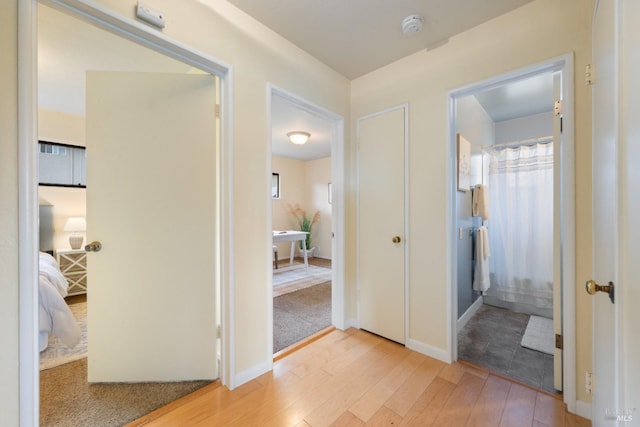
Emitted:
pixel 539 335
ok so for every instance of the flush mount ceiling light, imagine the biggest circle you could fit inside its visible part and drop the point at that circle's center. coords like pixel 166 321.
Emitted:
pixel 298 137
pixel 412 24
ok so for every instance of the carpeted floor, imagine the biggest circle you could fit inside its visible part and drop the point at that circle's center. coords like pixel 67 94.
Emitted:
pixel 299 314
pixel 67 400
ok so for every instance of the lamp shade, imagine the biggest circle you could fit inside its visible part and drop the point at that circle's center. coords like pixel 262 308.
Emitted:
pixel 298 137
pixel 75 224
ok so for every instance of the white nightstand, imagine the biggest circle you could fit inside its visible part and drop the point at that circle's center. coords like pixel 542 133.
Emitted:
pixel 73 264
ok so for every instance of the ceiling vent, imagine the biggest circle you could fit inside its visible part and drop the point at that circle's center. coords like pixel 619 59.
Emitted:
pixel 412 24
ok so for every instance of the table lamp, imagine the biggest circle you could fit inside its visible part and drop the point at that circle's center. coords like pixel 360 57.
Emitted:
pixel 76 225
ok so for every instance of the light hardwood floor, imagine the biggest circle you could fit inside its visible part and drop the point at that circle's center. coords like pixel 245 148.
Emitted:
pixel 353 378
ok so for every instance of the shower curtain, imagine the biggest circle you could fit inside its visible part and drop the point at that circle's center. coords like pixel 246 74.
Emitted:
pixel 521 226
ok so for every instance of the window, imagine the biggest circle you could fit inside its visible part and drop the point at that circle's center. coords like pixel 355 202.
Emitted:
pixel 62 165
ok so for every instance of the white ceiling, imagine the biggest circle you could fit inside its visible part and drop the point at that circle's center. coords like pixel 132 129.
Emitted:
pixel 519 99
pixel 354 37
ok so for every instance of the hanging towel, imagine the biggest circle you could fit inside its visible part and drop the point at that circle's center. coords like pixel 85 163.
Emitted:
pixel 480 201
pixel 481 280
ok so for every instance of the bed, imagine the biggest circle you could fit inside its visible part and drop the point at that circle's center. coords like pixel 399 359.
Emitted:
pixel 55 316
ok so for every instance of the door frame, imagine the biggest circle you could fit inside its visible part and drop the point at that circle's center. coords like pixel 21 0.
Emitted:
pixel 98 15
pixel 563 64
pixel 405 108
pixel 337 203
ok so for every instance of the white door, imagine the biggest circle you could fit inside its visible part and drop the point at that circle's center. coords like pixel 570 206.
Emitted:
pixel 151 202
pixel 605 213
pixel 381 223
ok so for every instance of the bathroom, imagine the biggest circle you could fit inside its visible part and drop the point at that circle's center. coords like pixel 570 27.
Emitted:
pixel 505 218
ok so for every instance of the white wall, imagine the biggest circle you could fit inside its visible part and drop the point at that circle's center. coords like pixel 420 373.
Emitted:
pixel 538 31
pixel 303 183
pixel 66 202
pixel 534 126
pixel 65 128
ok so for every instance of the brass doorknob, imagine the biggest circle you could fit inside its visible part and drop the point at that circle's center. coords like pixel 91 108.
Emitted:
pixel 592 287
pixel 396 239
pixel 94 246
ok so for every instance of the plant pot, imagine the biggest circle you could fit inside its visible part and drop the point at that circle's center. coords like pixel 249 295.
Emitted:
pixel 309 252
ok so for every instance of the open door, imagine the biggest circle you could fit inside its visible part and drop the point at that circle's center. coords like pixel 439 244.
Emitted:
pixel 605 214
pixel 381 223
pixel 151 203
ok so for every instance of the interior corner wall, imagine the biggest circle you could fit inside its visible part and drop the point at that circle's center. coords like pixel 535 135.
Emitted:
pixel 303 183
pixel 9 242
pixel 538 31
pixel 258 57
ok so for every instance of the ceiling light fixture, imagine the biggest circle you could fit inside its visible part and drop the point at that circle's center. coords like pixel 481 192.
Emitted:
pixel 412 24
pixel 298 137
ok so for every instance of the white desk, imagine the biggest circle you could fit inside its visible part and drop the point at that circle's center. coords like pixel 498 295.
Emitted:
pixel 293 237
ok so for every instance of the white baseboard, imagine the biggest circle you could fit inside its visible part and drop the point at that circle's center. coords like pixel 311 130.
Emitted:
pixel 351 323
pixel 428 350
pixel 251 373
pixel 583 409
pixel 462 321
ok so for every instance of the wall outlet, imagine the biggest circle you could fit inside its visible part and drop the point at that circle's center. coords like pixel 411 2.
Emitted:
pixel 588 382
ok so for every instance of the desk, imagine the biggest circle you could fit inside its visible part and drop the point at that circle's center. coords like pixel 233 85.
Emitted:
pixel 293 237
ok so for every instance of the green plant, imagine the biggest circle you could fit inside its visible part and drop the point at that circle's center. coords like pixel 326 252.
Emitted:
pixel 304 221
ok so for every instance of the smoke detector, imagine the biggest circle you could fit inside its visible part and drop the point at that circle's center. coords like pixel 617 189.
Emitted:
pixel 412 24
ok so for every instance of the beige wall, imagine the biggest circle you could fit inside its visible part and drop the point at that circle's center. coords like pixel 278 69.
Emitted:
pixel 258 57
pixel 303 183
pixel 55 126
pixel 9 357
pixel 538 31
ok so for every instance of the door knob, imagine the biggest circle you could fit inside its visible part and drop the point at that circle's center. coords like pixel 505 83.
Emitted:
pixel 592 287
pixel 396 239
pixel 94 246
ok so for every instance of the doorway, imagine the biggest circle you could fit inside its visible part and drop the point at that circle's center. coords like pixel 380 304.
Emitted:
pixel 305 191
pixel 494 311
pixel 160 42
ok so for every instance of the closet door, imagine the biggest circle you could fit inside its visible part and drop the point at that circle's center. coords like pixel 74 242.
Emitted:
pixel 381 223
pixel 151 202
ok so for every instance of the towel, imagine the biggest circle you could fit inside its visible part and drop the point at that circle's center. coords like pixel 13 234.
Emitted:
pixel 481 280
pixel 480 201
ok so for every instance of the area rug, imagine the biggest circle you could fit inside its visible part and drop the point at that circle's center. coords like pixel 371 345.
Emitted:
pixel 539 335
pixel 300 314
pixel 57 353
pixel 293 278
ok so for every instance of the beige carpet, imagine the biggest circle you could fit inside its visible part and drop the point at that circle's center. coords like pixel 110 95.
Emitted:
pixel 57 353
pixel 67 400
pixel 300 314
pixel 288 279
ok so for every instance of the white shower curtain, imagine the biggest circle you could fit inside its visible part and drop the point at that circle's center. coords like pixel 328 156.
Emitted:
pixel 521 225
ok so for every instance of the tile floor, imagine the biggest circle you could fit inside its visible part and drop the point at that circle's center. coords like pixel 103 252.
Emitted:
pixel 491 339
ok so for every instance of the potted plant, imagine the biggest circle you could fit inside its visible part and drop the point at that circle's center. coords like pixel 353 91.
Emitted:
pixel 304 222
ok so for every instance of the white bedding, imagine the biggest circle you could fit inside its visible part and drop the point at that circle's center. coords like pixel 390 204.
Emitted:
pixel 55 316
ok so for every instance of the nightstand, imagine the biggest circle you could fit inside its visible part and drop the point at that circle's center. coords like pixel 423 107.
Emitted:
pixel 73 264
